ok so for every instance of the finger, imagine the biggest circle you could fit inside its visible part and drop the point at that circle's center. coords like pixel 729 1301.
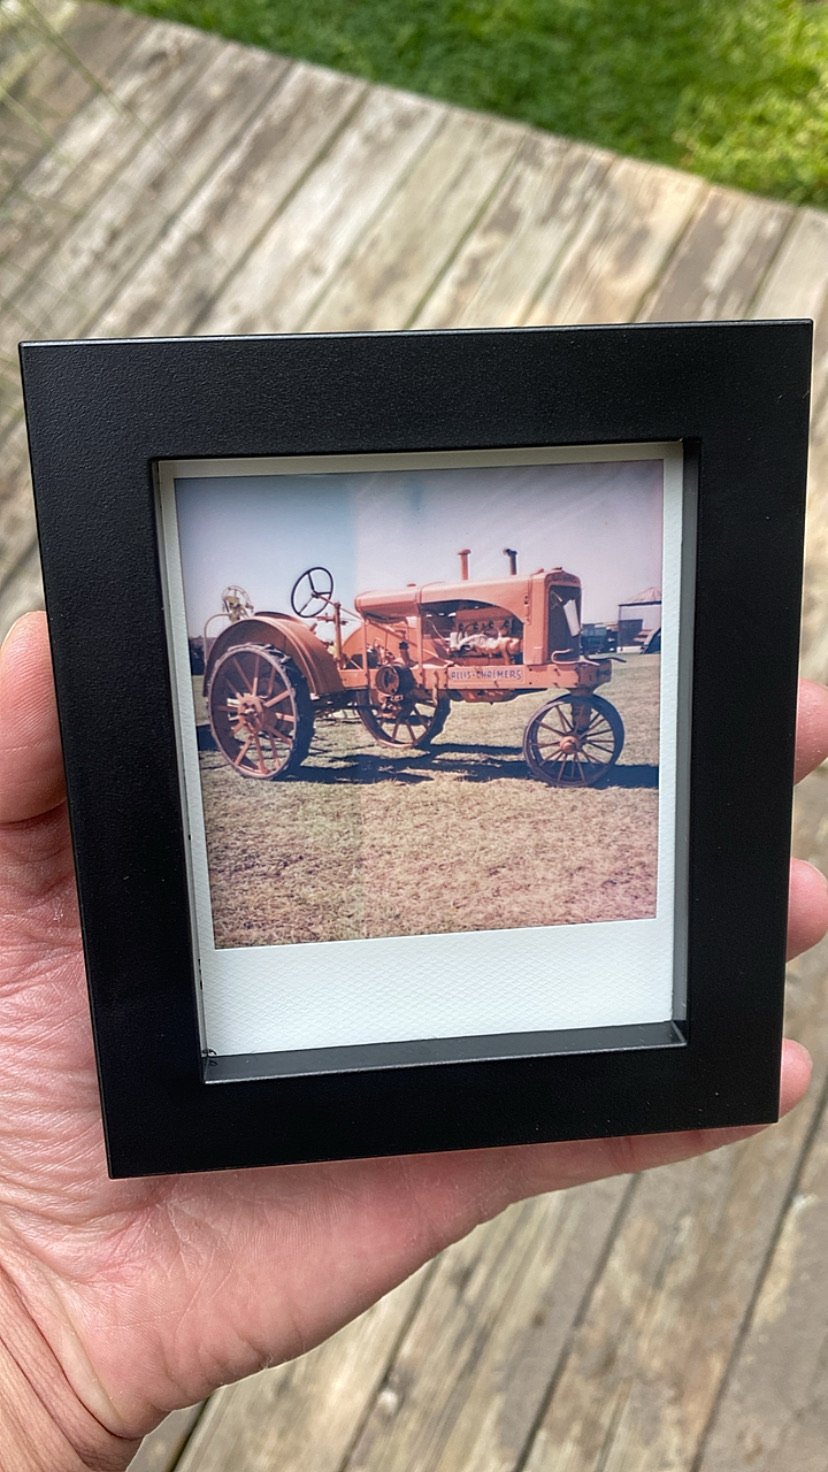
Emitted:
pixel 796 1075
pixel 811 727
pixel 31 767
pixel 807 907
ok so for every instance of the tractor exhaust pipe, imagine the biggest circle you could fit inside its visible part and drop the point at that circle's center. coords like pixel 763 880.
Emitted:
pixel 512 556
pixel 464 563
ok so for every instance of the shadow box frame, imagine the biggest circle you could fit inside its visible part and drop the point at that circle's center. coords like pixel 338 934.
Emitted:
pixel 102 415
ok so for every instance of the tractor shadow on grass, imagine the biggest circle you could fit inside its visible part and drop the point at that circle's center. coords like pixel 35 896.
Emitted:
pixel 469 762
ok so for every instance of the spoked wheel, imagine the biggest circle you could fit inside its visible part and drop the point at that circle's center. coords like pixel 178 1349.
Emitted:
pixel 404 718
pixel 260 712
pixel 573 741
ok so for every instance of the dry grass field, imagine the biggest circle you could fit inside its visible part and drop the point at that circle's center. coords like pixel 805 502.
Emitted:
pixel 367 841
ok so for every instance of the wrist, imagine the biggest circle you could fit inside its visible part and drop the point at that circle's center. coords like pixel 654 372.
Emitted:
pixel 44 1426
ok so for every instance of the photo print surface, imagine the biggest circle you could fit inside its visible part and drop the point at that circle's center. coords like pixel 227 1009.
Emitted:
pixel 428 717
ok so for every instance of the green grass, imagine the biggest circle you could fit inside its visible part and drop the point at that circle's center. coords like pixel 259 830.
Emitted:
pixel 736 90
pixel 368 841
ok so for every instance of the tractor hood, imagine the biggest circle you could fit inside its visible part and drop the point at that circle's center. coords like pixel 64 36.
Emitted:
pixel 511 593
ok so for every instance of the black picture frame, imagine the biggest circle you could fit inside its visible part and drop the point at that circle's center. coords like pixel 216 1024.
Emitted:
pixel 102 414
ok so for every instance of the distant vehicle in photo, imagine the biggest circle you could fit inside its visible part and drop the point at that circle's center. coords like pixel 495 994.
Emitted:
pixel 400 659
pixel 598 639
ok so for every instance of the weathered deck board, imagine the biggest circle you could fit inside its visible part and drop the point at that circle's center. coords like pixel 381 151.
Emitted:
pixel 162 1450
pixel 217 224
pixel 620 247
pixel 797 286
pixel 282 278
pixel 102 240
pixel 16 514
pixel 642 1374
pixel 54 77
pixel 39 219
pixel 176 284
pixel 98 142
pixel 397 261
pixel 721 260
pixel 23 30
pixel 474 1369
pixel 526 224
pixel 628 1325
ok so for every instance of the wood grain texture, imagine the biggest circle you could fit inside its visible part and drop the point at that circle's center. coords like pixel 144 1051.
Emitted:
pixel 92 255
pixel 24 28
pixel 22 592
pixel 257 140
pixel 797 285
pixel 475 1366
pixel 281 280
pixel 642 1374
pixel 26 47
pixel 109 236
pixel 495 276
pixel 620 245
pixel 63 71
pixel 198 255
pixel 397 261
pixel 45 213
pixel 721 259
pixel 162 1448
pixel 158 72
pixel 774 1410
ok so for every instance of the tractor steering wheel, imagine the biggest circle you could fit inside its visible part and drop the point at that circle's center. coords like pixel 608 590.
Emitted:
pixel 312 592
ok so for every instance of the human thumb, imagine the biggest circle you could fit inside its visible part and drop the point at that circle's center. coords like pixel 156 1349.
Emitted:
pixel 31 766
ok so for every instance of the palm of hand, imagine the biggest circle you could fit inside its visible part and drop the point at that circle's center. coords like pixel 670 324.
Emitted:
pixel 151 1293
pixel 196 1279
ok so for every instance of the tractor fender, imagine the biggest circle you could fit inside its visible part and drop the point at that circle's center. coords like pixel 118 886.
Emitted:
pixel 289 635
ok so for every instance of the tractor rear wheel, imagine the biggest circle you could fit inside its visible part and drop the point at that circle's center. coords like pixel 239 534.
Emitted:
pixel 412 718
pixel 573 741
pixel 260 711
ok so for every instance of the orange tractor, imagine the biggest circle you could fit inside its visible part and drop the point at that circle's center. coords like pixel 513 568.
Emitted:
pixel 411 653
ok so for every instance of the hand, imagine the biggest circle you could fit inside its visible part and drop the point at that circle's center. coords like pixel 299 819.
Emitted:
pixel 124 1299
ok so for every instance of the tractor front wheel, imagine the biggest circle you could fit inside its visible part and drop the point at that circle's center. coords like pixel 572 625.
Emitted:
pixel 573 741
pixel 260 712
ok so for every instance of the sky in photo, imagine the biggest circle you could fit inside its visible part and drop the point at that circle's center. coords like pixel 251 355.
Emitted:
pixel 382 529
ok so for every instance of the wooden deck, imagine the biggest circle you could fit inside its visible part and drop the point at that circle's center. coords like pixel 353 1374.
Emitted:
pixel 155 181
